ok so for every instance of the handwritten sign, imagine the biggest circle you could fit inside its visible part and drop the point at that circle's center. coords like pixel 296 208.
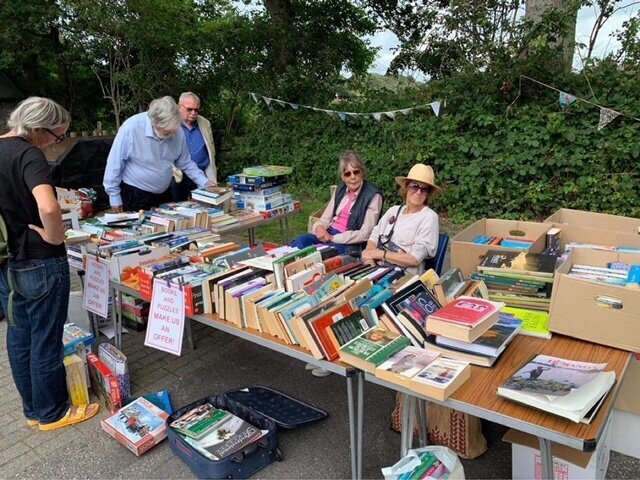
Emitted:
pixel 96 287
pixel 166 318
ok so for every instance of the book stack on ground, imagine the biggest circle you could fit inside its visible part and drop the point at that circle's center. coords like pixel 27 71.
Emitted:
pixel 139 426
pixel 570 389
pixel 259 189
pixel 519 279
pixel 424 371
pixel 214 432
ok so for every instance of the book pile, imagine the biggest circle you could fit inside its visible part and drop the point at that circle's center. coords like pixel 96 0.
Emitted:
pixel 570 389
pixel 214 432
pixel 519 279
pixel 116 361
pixel 509 242
pixel 610 276
pixel 172 216
pixel 259 189
pixel 452 284
pixel 139 426
pixel 212 195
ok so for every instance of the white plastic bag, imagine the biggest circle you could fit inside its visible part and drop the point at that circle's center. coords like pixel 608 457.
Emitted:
pixel 412 460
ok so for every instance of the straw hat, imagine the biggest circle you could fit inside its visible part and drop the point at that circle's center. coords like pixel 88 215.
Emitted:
pixel 420 173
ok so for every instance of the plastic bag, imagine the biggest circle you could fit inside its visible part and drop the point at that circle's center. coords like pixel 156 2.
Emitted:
pixel 412 459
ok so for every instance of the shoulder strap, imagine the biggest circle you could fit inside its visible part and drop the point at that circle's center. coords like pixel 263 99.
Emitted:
pixel 393 226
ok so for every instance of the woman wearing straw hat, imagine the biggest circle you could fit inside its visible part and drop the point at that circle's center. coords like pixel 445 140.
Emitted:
pixel 407 234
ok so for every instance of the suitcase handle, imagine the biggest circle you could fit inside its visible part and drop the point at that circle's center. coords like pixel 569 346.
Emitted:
pixel 183 448
pixel 247 452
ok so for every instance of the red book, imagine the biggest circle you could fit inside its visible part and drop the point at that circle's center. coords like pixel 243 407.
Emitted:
pixel 106 381
pixel 320 325
pixel 465 318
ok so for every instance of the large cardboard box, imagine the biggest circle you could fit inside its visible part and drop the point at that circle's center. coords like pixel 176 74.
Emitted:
pixel 467 255
pixel 596 236
pixel 628 399
pixel 119 265
pixel 582 309
pixel 568 463
pixel 624 433
pixel 601 221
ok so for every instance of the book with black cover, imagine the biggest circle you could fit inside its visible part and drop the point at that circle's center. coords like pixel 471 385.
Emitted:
pixel 535 264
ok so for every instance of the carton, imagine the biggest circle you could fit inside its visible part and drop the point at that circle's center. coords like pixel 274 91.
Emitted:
pixel 624 433
pixel 77 383
pixel 579 308
pixel 119 265
pixel 568 463
pixel 602 221
pixel 596 236
pixel 629 393
pixel 467 255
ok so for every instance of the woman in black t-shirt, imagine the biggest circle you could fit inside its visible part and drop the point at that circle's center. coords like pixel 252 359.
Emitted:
pixel 35 283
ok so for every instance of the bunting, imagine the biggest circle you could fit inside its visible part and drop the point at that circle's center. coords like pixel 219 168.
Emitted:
pixel 345 116
pixel 566 99
pixel 606 117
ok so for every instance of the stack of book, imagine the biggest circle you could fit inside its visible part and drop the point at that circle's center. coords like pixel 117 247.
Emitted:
pixel 259 189
pixel 135 312
pixel 509 242
pixel 452 284
pixel 214 432
pixel 519 279
pixel 212 195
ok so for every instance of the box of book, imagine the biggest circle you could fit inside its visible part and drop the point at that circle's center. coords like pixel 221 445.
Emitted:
pixel 592 301
pixel 117 363
pixel 222 452
pixel 77 382
pixel 602 221
pixel 74 336
pixel 568 463
pixel 470 245
pixel 123 266
pixel 138 426
pixel 580 236
pixel 627 399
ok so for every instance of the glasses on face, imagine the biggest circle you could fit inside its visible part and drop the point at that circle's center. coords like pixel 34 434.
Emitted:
pixel 59 138
pixel 348 173
pixel 189 110
pixel 415 188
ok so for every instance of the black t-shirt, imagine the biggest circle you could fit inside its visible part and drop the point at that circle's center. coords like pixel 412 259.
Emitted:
pixel 22 168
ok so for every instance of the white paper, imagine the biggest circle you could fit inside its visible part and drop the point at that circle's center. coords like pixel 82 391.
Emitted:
pixel 96 286
pixel 165 328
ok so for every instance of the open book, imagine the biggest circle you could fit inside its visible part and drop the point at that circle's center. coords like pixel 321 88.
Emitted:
pixel 566 388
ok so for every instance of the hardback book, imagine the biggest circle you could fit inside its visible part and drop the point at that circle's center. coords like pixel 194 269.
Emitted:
pixel 228 438
pixel 371 348
pixel 405 364
pixel 338 261
pixel 197 422
pixel 440 378
pixel 560 386
pixel 444 288
pixel 346 329
pixel 490 343
pixel 464 319
pixel 533 264
pixel 302 329
pixel 139 426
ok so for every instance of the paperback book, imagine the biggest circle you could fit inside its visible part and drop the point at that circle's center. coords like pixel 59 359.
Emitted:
pixel 227 438
pixel 198 421
pixel 440 378
pixel 371 348
pixel 405 364
pixel 464 319
pixel 534 264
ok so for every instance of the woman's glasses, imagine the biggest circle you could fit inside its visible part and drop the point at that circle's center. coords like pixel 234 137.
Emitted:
pixel 414 187
pixel 348 173
pixel 59 138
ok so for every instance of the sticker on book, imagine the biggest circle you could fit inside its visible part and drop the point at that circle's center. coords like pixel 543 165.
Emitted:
pixel 166 318
pixel 96 286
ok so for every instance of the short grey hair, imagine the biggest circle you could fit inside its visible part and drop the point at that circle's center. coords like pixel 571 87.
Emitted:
pixel 350 157
pixel 185 95
pixel 37 112
pixel 164 113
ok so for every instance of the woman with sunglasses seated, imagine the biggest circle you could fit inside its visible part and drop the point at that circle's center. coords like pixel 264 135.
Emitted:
pixel 351 213
pixel 407 234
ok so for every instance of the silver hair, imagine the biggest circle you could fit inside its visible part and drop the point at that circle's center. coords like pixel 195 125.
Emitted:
pixel 350 158
pixel 185 95
pixel 164 113
pixel 37 112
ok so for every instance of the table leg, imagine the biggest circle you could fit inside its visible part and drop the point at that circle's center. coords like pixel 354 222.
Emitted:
pixel 286 237
pixel 422 422
pixel 252 236
pixel 546 458
pixel 405 424
pixel 410 428
pixel 360 401
pixel 352 428
pixel 117 318
pixel 188 327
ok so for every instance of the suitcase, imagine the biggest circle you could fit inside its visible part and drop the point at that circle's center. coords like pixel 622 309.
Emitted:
pixel 264 408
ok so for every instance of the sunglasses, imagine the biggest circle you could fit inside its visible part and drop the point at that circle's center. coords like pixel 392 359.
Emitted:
pixel 355 173
pixel 59 138
pixel 189 110
pixel 414 187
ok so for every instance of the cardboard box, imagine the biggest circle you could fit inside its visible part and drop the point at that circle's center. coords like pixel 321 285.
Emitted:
pixel 120 264
pixel 596 236
pixel 77 383
pixel 467 255
pixel 568 463
pixel 578 310
pixel 624 433
pixel 602 221
pixel 628 399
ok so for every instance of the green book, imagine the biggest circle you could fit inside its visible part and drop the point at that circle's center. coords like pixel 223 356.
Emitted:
pixel 200 420
pixel 371 348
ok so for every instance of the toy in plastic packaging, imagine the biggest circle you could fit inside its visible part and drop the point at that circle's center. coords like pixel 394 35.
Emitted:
pixel 427 462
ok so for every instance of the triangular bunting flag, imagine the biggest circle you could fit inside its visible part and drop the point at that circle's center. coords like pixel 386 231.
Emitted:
pixel 435 106
pixel 407 111
pixel 343 116
pixel 295 106
pixel 606 116
pixel 565 99
pixel 267 100
pixel 391 115
pixel 329 112
pixel 377 116
pixel 255 97
pixel 281 103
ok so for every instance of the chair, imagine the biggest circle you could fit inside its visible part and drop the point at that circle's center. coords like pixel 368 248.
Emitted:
pixel 438 260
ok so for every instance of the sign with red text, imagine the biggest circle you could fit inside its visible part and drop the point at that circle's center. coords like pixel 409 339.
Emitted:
pixel 96 286
pixel 166 318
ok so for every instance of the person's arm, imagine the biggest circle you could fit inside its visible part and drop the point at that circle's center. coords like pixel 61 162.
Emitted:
pixel 320 227
pixel 116 162
pixel 425 244
pixel 184 163
pixel 50 215
pixel 370 218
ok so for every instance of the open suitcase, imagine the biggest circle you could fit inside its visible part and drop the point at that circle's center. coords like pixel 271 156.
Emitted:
pixel 264 408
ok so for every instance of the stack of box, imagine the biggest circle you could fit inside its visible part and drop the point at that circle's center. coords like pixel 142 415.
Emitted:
pixel 77 342
pixel 135 312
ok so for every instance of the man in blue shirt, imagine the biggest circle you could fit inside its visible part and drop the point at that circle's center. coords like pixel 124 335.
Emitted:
pixel 139 166
pixel 197 131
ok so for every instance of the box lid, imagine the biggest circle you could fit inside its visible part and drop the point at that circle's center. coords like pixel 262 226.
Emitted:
pixel 285 411
pixel 571 455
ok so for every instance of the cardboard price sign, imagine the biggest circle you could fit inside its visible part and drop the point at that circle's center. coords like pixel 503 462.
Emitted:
pixel 95 297
pixel 165 328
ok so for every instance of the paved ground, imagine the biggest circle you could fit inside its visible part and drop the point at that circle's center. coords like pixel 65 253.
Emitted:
pixel 218 364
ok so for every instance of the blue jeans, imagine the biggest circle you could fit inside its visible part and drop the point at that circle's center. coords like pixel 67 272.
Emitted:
pixel 34 338
pixel 308 239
